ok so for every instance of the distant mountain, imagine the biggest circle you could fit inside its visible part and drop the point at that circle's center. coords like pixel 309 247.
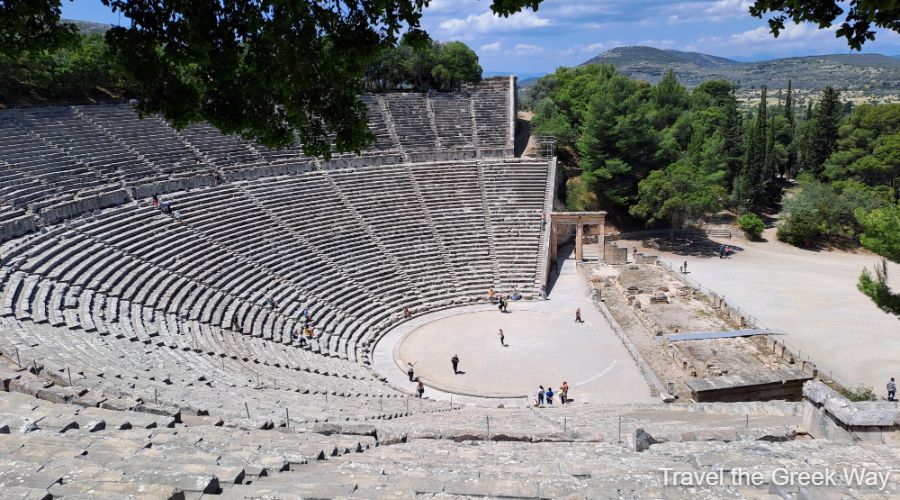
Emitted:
pixel 868 72
pixel 88 27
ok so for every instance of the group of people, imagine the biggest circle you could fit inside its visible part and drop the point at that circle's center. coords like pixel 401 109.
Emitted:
pixel 546 395
pixel 501 301
pixel 725 251
pixel 165 206
pixel 307 330
pixel 411 372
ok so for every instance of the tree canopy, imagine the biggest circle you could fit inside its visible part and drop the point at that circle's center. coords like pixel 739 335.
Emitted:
pixel 429 66
pixel 856 26
pixel 270 71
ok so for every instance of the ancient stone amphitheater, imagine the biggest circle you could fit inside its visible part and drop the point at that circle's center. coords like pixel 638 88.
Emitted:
pixel 143 357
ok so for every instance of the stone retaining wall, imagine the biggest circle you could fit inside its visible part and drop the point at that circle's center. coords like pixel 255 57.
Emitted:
pixel 828 415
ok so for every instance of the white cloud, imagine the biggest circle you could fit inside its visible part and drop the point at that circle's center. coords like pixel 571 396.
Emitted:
pixel 490 48
pixel 659 44
pixel 524 49
pixel 488 22
pixel 794 37
pixel 593 49
pixel 580 9
pixel 452 6
pixel 714 11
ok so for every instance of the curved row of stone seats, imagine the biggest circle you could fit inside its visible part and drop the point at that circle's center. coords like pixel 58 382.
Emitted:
pixel 182 374
pixel 453 120
pixel 60 450
pixel 69 151
pixel 412 121
pixel 150 139
pixel 70 132
pixel 615 423
pixel 439 468
pixel 31 171
pixel 352 247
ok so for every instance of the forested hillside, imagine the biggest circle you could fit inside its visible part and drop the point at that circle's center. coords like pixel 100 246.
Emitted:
pixel 670 157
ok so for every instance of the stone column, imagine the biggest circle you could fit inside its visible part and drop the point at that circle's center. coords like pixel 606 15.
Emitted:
pixel 579 241
pixel 601 239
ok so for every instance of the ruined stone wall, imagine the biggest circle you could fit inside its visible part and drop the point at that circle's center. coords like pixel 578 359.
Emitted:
pixel 615 255
pixel 828 415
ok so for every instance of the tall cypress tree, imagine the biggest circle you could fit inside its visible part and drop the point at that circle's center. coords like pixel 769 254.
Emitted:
pixel 823 132
pixel 791 159
pixel 749 190
pixel 733 133
pixel 789 106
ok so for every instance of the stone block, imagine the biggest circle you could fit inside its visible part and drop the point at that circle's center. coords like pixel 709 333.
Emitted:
pixel 641 440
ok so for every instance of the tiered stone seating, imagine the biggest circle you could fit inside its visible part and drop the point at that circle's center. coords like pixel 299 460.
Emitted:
pixel 491 106
pixel 71 451
pixel 185 368
pixel 412 122
pixel 515 200
pixel 151 139
pixel 352 246
pixel 453 120
pixel 32 171
pixel 138 306
pixel 52 155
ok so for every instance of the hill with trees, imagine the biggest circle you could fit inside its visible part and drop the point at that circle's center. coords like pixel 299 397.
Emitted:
pixel 865 72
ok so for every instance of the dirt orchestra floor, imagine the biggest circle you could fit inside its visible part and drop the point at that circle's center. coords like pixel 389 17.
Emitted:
pixel 544 346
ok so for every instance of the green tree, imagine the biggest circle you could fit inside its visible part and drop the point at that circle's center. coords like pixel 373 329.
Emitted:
pixel 455 63
pixel 877 289
pixel 750 187
pixel 881 231
pixel 856 27
pixel 32 26
pixel 789 106
pixel 677 194
pixel 823 133
pixel 751 225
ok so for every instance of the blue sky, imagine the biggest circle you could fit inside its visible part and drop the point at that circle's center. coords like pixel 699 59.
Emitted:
pixel 566 33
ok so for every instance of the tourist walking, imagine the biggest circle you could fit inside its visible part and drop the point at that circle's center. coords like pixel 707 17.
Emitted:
pixel 578 316
pixel 420 389
pixel 892 390
pixel 455 362
pixel 549 395
pixel 721 251
pixel 502 338
pixel 540 396
pixel 684 269
pixel 564 393
pixel 411 371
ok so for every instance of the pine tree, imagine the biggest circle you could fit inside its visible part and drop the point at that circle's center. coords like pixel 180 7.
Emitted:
pixel 749 189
